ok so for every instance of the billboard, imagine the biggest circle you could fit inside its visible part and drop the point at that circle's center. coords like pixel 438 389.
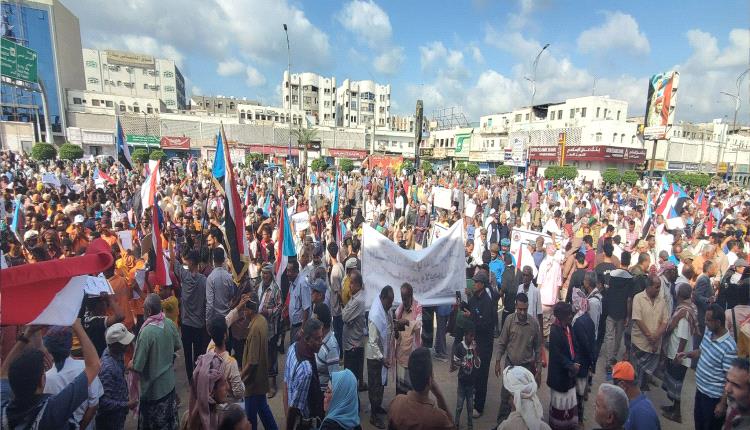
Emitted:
pixel 517 151
pixel 130 59
pixel 169 142
pixel 18 62
pixel 660 104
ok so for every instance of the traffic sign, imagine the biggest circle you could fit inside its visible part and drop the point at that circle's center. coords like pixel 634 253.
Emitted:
pixel 18 62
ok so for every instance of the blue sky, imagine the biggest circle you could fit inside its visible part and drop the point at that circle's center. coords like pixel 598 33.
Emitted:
pixel 472 54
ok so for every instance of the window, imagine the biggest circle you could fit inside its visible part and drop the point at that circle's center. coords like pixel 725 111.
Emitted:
pixel 109 103
pixel 354 119
pixel 354 105
pixel 119 83
pixel 170 103
pixel 598 137
pixel 129 69
pixel 136 109
pixel 149 109
pixel 526 117
pixel 168 74
pixel 93 80
pixel 572 113
pixel 170 89
pixel 614 138
pixel 622 138
pixel 91 63
pixel 559 114
pixel 583 112
pixel 618 115
pixel 114 68
pixel 218 105
pixel 518 117
pixel 632 140
pixel 95 102
pixel 605 113
pixel 597 112
pixel 122 107
pixel 77 100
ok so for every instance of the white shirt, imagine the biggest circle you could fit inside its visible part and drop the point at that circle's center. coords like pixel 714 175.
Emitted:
pixel 57 381
pixel 731 257
pixel 682 331
pixel 535 300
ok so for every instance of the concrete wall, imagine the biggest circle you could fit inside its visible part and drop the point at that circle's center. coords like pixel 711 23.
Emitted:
pixel 17 136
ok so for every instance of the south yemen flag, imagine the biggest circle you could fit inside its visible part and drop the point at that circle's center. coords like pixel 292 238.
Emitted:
pixel 284 245
pixel 50 292
pixel 234 224
pixel 123 152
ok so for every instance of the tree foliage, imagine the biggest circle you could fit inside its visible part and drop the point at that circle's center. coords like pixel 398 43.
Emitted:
pixel 253 156
pixel 561 172
pixel 426 167
pixel 319 165
pixel 43 151
pixel 471 169
pixel 504 171
pixel 630 177
pixel 689 179
pixel 157 154
pixel 68 151
pixel 611 176
pixel 139 155
pixel 407 165
pixel 305 135
pixel 346 165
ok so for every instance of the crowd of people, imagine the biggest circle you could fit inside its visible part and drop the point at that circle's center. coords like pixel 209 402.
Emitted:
pixel 611 286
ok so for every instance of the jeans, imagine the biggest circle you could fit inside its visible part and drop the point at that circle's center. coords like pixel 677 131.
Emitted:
pixel 703 412
pixel 484 351
pixel 273 354
pixel 464 394
pixel 338 329
pixel 354 360
pixel 194 343
pixel 613 339
pixel 375 385
pixel 442 325
pixel 258 405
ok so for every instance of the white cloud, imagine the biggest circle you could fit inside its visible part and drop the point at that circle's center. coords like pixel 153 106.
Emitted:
pixel 367 21
pixel 253 77
pixel 519 19
pixel 196 91
pixel 619 33
pixel 437 58
pixel 230 67
pixel 476 54
pixel 390 60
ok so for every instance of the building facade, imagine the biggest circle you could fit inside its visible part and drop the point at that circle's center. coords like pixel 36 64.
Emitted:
pixel 53 32
pixel 362 104
pixel 313 94
pixel 135 75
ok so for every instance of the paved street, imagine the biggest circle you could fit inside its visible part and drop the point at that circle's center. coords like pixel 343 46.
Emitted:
pixel 447 382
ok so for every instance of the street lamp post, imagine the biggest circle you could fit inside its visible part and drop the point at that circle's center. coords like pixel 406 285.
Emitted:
pixel 289 74
pixel 737 103
pixel 533 94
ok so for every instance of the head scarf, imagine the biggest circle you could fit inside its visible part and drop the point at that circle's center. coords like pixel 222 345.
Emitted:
pixel 580 303
pixel 209 368
pixel 344 407
pixel 521 384
pixel 666 266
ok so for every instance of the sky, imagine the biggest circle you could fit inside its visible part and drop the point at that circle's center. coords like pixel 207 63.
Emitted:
pixel 473 54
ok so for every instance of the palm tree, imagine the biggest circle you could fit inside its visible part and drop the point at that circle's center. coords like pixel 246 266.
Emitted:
pixel 304 137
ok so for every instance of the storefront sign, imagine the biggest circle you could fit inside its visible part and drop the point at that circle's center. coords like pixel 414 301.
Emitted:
pixel 426 152
pixel 679 165
pixel 142 140
pixel 589 153
pixel 130 59
pixel 279 151
pixel 168 142
pixel 438 153
pixel 383 161
pixel 311 146
pixel 348 153
pixel 657 165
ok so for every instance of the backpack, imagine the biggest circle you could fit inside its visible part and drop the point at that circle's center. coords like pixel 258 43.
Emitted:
pixel 34 424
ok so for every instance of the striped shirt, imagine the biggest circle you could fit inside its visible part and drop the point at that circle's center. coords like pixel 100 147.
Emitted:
pixel 327 360
pixel 714 363
pixel 297 375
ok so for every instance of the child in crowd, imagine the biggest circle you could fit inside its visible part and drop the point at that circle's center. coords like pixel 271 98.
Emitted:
pixel 465 360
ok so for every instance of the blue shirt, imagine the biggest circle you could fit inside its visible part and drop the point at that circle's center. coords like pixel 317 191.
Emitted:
pixel 112 375
pixel 497 267
pixel 59 407
pixel 642 415
pixel 298 376
pixel 300 298
pixel 714 363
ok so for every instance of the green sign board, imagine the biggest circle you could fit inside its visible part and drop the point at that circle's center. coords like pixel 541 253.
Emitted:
pixel 18 62
pixel 463 143
pixel 142 140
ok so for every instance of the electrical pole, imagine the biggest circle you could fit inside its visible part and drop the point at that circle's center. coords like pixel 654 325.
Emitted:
pixel 289 74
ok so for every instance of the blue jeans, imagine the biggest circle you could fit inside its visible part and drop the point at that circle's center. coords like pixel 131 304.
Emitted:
pixel 464 394
pixel 258 405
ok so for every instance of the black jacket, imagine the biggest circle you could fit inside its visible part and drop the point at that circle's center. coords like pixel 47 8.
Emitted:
pixel 482 312
pixel 584 343
pixel 560 372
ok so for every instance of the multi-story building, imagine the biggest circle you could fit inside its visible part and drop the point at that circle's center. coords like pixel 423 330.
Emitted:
pixel 219 104
pixel 313 94
pixel 135 75
pixel 363 103
pixel 52 31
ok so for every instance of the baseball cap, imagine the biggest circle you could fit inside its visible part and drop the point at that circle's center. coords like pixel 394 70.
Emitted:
pixel 318 285
pixel 78 219
pixel 505 242
pixel 482 277
pixel 351 263
pixel 623 371
pixel 118 333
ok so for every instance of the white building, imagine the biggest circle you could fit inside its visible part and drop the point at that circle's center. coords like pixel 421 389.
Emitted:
pixel 134 75
pixel 252 113
pixel 363 103
pixel 311 93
